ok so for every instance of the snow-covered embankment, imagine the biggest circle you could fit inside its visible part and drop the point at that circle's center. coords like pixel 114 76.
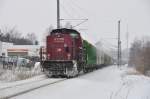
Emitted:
pixel 19 73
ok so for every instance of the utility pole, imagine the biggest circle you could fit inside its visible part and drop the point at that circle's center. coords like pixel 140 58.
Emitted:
pixel 127 45
pixel 58 14
pixel 119 45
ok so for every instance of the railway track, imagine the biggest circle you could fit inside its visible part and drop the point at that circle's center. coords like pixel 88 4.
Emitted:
pixel 21 84
pixel 19 89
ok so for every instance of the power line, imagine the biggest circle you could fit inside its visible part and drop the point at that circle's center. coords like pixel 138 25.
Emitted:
pixel 75 19
pixel 65 10
pixel 71 7
pixel 80 23
pixel 110 44
pixel 77 6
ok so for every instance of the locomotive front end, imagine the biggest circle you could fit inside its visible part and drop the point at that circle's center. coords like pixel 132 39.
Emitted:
pixel 61 54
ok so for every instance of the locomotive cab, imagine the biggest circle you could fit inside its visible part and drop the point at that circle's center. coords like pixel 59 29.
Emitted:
pixel 63 44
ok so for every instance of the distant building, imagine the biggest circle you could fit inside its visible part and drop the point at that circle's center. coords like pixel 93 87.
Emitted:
pixel 9 49
pixel 24 50
pixel 3 48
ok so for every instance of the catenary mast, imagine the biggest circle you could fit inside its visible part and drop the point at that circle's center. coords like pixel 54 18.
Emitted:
pixel 58 14
pixel 119 45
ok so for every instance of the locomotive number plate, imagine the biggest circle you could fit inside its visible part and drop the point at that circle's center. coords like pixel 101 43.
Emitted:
pixel 58 39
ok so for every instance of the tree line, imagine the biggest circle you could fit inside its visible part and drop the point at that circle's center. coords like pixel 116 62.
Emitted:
pixel 17 38
pixel 140 55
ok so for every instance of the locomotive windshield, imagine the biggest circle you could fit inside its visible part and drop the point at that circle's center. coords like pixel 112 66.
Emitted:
pixel 74 35
pixel 65 31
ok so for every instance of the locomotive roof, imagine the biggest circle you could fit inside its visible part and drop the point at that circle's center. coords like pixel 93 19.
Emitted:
pixel 64 30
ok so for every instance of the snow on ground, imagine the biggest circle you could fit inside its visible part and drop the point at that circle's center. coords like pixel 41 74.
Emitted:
pixel 106 83
pixel 25 86
pixel 19 73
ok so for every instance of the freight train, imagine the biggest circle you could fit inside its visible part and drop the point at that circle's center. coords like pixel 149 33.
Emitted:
pixel 67 54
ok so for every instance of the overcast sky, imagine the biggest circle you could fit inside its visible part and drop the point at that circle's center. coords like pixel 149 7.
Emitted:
pixel 37 15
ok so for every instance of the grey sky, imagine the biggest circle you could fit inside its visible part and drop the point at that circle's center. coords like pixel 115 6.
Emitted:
pixel 37 15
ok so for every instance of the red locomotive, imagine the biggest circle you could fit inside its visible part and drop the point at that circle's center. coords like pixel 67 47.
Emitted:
pixel 64 53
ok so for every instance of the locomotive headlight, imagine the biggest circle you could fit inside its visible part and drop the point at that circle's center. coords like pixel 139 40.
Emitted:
pixel 80 48
pixel 59 49
pixel 68 55
pixel 48 56
pixel 58 35
pixel 65 45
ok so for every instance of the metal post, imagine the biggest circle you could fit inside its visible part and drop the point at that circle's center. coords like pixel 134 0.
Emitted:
pixel 119 45
pixel 120 55
pixel 127 46
pixel 58 14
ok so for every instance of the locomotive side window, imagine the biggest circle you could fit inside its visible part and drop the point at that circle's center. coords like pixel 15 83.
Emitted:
pixel 66 48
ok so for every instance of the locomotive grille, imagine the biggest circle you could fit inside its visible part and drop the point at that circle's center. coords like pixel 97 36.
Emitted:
pixel 57 65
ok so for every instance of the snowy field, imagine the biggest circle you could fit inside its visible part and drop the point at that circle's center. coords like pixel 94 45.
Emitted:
pixel 107 83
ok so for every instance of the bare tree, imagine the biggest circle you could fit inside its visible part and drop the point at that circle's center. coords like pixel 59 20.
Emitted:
pixel 32 37
pixel 8 34
pixel 140 55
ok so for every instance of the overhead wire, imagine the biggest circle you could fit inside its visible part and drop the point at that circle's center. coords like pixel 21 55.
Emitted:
pixel 78 9
pixel 79 23
pixel 107 48
pixel 65 10
pixel 108 43
pixel 72 8
pixel 73 12
pixel 77 6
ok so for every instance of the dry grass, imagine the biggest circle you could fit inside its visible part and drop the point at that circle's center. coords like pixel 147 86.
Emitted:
pixel 17 74
pixel 133 71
